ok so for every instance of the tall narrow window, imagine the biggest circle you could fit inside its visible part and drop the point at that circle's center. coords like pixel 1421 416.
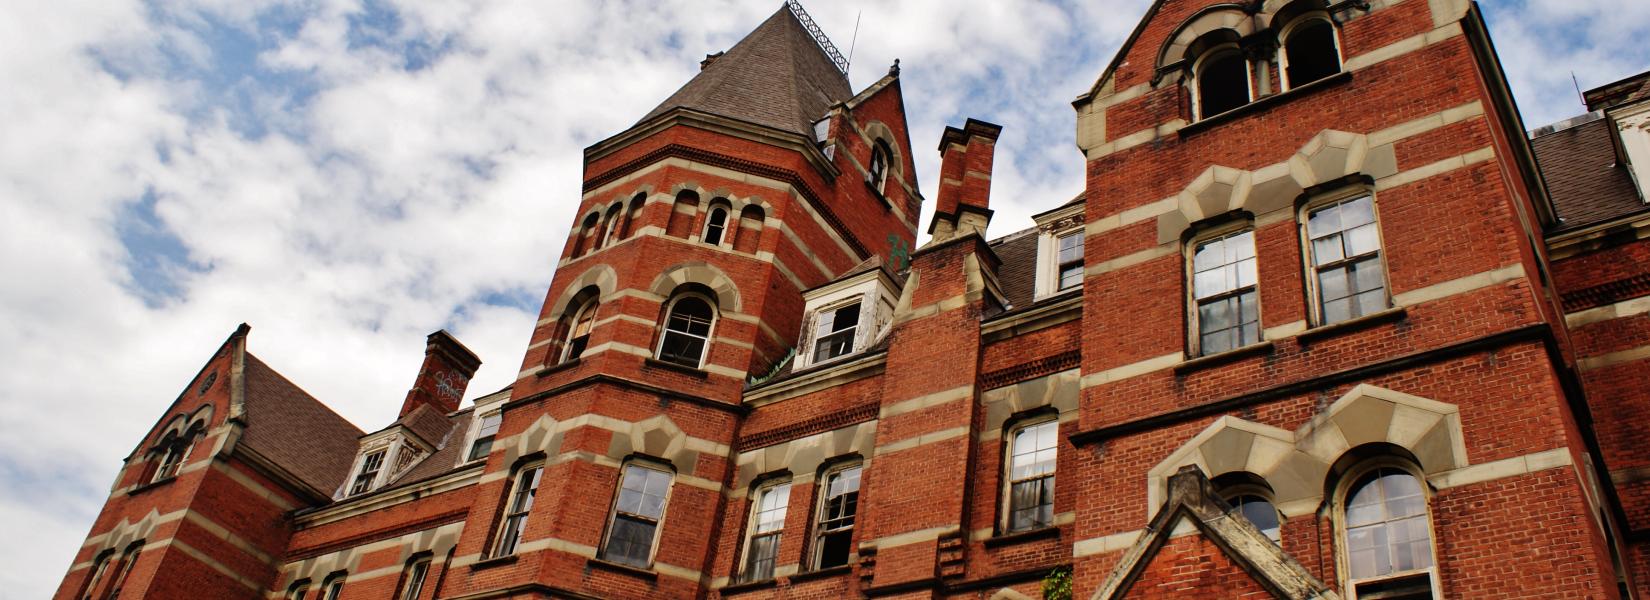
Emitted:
pixel 834 332
pixel 1070 260
pixel 1222 82
pixel 485 435
pixel 838 505
pixel 1259 511
pixel 633 215
pixel 333 588
pixel 610 232
pixel 417 571
pixel 1227 311
pixel 1346 259
pixel 637 513
pixel 715 225
pixel 1309 51
pixel 767 524
pixel 298 590
pixel 1388 536
pixel 877 175
pixel 520 503
pixel 96 575
pixel 128 560
pixel 1030 485
pixel 687 332
pixel 371 464
pixel 578 336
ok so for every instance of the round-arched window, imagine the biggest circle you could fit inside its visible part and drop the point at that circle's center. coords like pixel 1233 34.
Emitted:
pixel 1222 82
pixel 1259 510
pixel 1388 531
pixel 687 331
pixel 1309 52
pixel 715 225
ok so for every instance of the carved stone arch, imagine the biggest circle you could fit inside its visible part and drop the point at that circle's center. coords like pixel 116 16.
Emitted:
pixel 656 436
pixel 1297 464
pixel 1332 155
pixel 542 436
pixel 436 541
pixel 1059 391
pixel 1216 191
pixel 125 532
pixel 317 568
pixel 202 416
pixel 1009 594
pixel 702 273
pixel 602 276
pixel 1230 16
pixel 807 454
pixel 174 426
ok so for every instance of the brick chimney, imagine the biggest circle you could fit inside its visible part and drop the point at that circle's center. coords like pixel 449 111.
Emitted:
pixel 964 203
pixel 448 367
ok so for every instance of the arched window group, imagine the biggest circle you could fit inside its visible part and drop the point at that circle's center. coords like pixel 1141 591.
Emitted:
pixel 1229 70
pixel 602 229
pixel 167 457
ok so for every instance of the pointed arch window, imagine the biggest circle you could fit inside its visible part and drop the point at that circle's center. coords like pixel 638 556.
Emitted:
pixel 610 231
pixel 1311 50
pixel 688 326
pixel 877 174
pixel 1222 77
pixel 578 335
pixel 1387 535
pixel 102 564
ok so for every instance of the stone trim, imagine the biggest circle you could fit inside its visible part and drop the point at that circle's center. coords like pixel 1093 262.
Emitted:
pixel 1613 358
pixel 802 457
pixel 1460 285
pixel 921 439
pixel 1047 365
pixel 1156 363
pixel 926 401
pixel 1609 295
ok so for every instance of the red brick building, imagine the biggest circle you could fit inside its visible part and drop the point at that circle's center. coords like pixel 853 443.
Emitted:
pixel 1326 323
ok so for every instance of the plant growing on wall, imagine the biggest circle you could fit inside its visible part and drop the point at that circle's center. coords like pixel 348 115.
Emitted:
pixel 1057 584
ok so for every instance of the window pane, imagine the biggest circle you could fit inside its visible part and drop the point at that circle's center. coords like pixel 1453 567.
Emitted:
pixel 1387 526
pixel 1327 249
pixel 1071 276
pixel 1260 512
pixel 763 551
pixel 630 542
pixel 1362 240
pixel 834 549
pixel 1324 221
pixel 1215 316
pixel 770 511
pixel 1209 255
pixel 481 448
pixel 1332 283
pixel 1209 283
pixel 1357 212
pixel 1071 247
pixel 489 423
pixel 682 349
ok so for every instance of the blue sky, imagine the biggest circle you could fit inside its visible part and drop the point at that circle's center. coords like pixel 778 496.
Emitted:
pixel 349 175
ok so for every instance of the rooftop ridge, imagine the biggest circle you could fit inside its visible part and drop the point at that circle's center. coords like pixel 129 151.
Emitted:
pixel 818 34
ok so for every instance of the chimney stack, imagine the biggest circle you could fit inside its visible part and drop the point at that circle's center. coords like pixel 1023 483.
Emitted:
pixel 964 203
pixel 448 367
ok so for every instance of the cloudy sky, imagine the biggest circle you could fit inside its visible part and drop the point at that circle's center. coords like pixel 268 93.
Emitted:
pixel 350 175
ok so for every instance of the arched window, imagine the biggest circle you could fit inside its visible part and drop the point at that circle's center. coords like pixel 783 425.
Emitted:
pixel 123 570
pixel 1258 510
pixel 1028 486
pixel 1387 534
pixel 298 590
pixel 715 225
pixel 333 588
pixel 632 215
pixel 1222 81
pixel 96 575
pixel 1310 51
pixel 687 331
pixel 877 174
pixel 412 579
pixel 610 230
pixel 767 525
pixel 583 237
pixel 578 335
pixel 517 506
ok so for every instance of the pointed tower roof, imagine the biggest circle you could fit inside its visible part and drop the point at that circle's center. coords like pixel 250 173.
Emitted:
pixel 778 76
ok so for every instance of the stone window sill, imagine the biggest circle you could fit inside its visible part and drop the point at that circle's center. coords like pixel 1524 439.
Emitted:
pixel 1009 539
pixel 670 366
pixel 151 485
pixel 749 586
pixel 623 569
pixel 558 367
pixel 496 561
pixel 1214 360
pixel 822 573
pixel 1319 333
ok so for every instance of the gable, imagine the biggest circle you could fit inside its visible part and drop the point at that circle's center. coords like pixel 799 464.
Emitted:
pixel 1193 563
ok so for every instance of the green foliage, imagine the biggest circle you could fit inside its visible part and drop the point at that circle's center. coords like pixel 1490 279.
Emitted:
pixel 1057 584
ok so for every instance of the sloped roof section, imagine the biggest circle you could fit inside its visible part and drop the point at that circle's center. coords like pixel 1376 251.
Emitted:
pixel 1586 184
pixel 778 77
pixel 295 431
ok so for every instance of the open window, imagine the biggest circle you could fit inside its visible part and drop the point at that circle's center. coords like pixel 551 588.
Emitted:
pixel 876 175
pixel 523 490
pixel 638 513
pixel 716 224
pixel 366 475
pixel 1028 485
pixel 767 524
pixel 1347 276
pixel 1225 311
pixel 1311 50
pixel 835 329
pixel 1222 76
pixel 838 507
pixel 578 334
pixel 688 324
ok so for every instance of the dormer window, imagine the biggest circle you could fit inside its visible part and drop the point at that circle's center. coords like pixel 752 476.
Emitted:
pixel 1070 260
pixel 834 332
pixel 485 435
pixel 371 464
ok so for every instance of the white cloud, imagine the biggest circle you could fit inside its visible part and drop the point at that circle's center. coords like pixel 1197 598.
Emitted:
pixel 347 194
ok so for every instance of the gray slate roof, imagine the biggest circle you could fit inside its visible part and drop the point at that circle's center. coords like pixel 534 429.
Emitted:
pixel 777 76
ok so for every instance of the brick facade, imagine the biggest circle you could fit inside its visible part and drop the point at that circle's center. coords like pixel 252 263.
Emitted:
pixel 1496 368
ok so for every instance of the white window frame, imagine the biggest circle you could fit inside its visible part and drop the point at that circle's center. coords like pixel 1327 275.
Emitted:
pixel 613 513
pixel 614 216
pixel 852 331
pixel 355 486
pixel 878 179
pixel 758 495
pixel 475 438
pixel 415 575
pixel 722 239
pixel 333 587
pixel 1197 79
pixel 821 516
pixel 1283 45
pixel 1194 304
pixel 1060 267
pixel 710 332
pixel 506 542
pixel 1303 218
pixel 1343 491
pixel 1006 520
